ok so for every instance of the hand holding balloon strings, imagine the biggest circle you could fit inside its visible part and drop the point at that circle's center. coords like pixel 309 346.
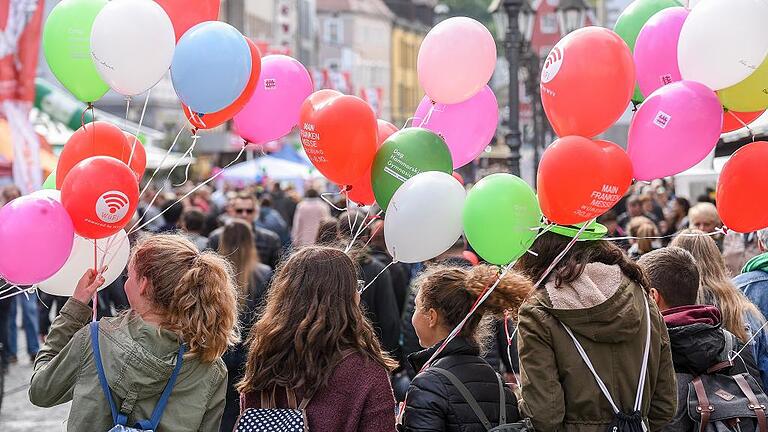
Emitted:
pixel 88 285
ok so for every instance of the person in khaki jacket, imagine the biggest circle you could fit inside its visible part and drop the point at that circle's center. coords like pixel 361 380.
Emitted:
pixel 600 295
pixel 178 296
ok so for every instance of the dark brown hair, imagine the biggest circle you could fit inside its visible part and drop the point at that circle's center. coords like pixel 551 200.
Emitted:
pixel 237 245
pixel 310 318
pixel 673 273
pixel 549 245
pixel 452 291
pixel 192 291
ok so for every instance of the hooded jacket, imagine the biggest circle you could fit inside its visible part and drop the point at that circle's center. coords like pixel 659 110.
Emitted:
pixel 434 404
pixel 606 312
pixel 138 360
pixel 698 342
pixel 753 282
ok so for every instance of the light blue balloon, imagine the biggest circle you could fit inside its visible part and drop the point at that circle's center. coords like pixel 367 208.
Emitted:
pixel 211 66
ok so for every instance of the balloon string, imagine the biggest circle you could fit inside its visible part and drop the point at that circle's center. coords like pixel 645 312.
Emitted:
pixel 82 117
pixel 127 110
pixel 144 190
pixel 187 153
pixel 377 276
pixel 375 231
pixel 349 220
pixel 559 257
pixel 363 226
pixel 751 132
pixel 8 287
pixel 138 128
pixel 21 291
pixel 714 233
pixel 96 274
pixel 427 117
pixel 405 124
pixel 195 189
pixel 325 196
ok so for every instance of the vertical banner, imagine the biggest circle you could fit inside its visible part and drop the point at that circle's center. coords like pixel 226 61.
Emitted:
pixel 20 24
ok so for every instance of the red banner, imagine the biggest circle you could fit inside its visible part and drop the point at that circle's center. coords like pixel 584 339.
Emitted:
pixel 20 22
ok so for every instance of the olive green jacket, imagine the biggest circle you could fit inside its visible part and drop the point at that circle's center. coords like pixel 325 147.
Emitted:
pixel 138 359
pixel 606 313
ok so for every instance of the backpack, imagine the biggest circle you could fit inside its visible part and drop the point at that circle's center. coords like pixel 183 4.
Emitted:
pixel 119 419
pixel 718 402
pixel 523 426
pixel 633 421
pixel 271 418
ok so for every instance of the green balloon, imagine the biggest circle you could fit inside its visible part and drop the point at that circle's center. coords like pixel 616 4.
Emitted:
pixel 500 216
pixel 67 47
pixel 403 155
pixel 50 182
pixel 632 20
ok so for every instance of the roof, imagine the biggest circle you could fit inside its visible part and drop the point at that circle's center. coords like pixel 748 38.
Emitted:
pixel 368 7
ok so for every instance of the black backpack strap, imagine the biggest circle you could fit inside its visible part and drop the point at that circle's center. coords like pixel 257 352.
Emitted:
pixel 466 395
pixel 502 402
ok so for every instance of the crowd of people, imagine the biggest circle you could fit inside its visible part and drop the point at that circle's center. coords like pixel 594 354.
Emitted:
pixel 247 299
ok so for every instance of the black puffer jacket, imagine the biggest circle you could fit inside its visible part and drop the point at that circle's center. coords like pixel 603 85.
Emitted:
pixel 434 404
pixel 698 342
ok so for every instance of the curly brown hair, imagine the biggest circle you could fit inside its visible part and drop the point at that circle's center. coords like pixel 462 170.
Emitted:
pixel 193 292
pixel 311 317
pixel 452 291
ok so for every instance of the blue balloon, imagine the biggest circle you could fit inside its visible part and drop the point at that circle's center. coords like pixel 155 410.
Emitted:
pixel 211 66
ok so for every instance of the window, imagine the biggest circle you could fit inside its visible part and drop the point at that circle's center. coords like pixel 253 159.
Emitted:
pixel 548 23
pixel 334 30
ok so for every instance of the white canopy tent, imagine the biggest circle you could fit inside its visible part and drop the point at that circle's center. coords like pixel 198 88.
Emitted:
pixel 270 167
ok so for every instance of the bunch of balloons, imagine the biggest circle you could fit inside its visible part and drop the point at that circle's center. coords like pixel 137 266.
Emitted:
pixel 77 221
pixel 688 82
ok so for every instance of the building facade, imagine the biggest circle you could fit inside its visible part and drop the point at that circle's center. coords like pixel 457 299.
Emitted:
pixel 354 52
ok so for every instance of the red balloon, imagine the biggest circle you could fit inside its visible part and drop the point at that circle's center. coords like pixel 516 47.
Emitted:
pixel 361 191
pixel 587 82
pixel 458 177
pixel 580 179
pixel 139 161
pixel 184 15
pixel 211 120
pixel 339 134
pixel 94 139
pixel 734 120
pixel 100 194
pixel 740 208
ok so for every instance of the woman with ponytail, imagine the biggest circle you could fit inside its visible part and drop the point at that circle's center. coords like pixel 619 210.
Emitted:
pixel 183 317
pixel 436 399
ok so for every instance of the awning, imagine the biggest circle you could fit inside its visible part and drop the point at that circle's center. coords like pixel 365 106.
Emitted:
pixel 269 167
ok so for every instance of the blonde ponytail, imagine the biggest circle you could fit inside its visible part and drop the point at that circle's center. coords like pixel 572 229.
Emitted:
pixel 193 292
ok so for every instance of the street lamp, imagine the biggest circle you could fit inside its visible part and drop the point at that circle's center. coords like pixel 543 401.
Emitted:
pixel 506 15
pixel 571 15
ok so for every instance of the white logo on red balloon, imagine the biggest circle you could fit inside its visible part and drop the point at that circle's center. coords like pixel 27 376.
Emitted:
pixel 552 65
pixel 112 206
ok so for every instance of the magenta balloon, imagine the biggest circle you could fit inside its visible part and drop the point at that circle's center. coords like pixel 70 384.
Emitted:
pixel 467 127
pixel 274 108
pixel 656 50
pixel 674 129
pixel 37 236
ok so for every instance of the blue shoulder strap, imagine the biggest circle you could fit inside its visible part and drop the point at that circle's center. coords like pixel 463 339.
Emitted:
pixel 157 414
pixel 118 417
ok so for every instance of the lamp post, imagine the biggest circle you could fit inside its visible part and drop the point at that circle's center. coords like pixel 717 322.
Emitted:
pixel 571 15
pixel 506 15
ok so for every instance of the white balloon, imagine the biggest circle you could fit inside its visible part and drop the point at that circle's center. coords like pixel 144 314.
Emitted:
pixel 424 217
pixel 723 41
pixel 48 193
pixel 113 252
pixel 132 43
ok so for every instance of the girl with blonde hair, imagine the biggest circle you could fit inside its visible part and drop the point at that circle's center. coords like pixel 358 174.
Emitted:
pixel 739 315
pixel 165 350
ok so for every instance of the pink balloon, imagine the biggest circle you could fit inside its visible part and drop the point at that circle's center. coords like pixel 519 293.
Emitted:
pixel 37 236
pixel 656 50
pixel 456 59
pixel 467 127
pixel 274 108
pixel 674 129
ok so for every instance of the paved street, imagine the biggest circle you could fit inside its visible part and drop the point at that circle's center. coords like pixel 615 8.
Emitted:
pixel 17 413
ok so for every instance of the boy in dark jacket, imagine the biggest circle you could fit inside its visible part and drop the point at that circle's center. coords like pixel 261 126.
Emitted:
pixel 696 336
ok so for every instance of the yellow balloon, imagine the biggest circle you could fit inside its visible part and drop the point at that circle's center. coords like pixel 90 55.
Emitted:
pixel 748 95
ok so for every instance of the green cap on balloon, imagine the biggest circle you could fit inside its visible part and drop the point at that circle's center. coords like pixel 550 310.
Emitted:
pixel 594 231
